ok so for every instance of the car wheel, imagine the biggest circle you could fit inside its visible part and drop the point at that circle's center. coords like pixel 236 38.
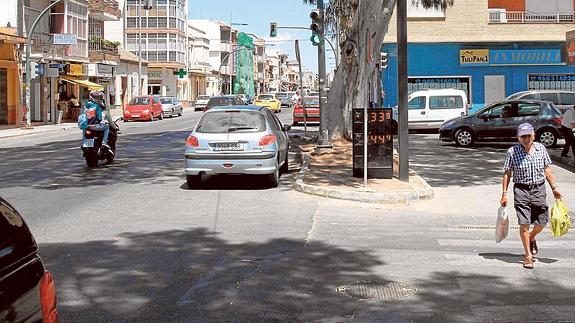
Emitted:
pixel 464 137
pixel 285 167
pixel 547 137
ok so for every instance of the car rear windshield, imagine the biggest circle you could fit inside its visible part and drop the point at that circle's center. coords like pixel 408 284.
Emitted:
pixel 312 101
pixel 140 101
pixel 231 121
pixel 221 101
pixel 166 100
pixel 265 97
pixel 282 94
pixel 203 97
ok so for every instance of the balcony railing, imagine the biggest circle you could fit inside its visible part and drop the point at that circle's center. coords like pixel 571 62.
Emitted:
pixel 529 17
pixel 98 51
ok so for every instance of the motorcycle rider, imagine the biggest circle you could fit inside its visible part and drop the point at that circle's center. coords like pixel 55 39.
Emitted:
pixel 96 102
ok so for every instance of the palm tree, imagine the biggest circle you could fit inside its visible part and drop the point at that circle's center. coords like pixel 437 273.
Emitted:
pixel 357 21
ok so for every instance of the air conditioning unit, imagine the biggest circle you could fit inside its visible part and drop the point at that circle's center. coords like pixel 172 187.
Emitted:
pixel 497 15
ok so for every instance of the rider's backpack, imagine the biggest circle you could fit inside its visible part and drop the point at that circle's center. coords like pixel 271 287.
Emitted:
pixel 88 117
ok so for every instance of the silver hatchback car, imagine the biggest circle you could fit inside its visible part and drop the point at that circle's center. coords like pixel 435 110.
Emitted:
pixel 236 139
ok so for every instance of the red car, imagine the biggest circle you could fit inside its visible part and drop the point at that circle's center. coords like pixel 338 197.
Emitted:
pixel 145 107
pixel 312 110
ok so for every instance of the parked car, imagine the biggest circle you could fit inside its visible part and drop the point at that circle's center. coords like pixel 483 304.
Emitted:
pixel 563 100
pixel 27 289
pixel 499 121
pixel 145 107
pixel 171 106
pixel 223 100
pixel 200 102
pixel 240 139
pixel 285 98
pixel 269 101
pixel 311 110
pixel 429 109
pixel 245 99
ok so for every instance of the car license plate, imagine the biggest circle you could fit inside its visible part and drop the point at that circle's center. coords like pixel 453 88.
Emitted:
pixel 135 115
pixel 232 146
pixel 88 143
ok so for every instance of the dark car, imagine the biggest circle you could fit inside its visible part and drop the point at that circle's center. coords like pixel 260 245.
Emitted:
pixel 223 100
pixel 499 121
pixel 27 290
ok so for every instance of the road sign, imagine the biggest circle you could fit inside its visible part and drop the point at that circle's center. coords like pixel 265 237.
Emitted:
pixel 65 39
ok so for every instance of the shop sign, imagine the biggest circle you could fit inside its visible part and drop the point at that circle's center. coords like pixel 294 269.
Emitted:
pixel 105 70
pixel 473 57
pixel 525 57
pixel 104 81
pixel 91 69
pixel 154 74
pixel 570 47
pixel 76 69
pixel 65 39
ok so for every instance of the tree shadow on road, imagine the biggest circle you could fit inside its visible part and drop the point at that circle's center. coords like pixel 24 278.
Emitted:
pixel 184 275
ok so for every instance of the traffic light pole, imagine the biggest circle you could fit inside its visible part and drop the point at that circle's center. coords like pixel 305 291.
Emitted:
pixel 323 132
pixel 28 45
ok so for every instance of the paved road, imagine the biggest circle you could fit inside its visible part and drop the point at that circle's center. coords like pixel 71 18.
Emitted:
pixel 130 242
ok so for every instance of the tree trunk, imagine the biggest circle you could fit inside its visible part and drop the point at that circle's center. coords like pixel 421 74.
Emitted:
pixel 350 85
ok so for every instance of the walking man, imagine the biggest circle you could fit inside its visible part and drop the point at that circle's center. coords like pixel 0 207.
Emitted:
pixel 567 125
pixel 528 163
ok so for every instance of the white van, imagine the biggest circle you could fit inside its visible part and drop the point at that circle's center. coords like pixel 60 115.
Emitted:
pixel 428 109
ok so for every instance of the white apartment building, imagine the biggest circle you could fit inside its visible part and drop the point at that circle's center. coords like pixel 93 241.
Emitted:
pixel 163 43
pixel 201 79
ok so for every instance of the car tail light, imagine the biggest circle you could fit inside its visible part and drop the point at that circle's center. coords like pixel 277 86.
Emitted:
pixel 267 140
pixel 48 298
pixel 558 120
pixel 192 142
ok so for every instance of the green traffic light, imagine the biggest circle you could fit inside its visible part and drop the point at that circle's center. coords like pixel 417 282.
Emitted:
pixel 316 39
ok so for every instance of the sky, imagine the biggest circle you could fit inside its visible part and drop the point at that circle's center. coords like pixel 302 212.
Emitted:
pixel 258 14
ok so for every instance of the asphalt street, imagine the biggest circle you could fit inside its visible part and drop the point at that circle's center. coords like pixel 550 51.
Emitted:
pixel 130 242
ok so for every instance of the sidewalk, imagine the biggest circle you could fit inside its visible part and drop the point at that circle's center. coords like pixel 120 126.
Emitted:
pixel 18 132
pixel 331 175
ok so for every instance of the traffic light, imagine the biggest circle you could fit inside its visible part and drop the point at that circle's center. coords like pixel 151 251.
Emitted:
pixel 383 60
pixel 273 29
pixel 316 27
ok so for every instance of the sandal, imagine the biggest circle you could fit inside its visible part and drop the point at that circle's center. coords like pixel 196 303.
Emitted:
pixel 528 262
pixel 533 247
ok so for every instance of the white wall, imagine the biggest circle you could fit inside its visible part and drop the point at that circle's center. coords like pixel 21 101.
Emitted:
pixel 114 30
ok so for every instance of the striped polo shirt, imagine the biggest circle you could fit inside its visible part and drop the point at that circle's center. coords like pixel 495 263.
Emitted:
pixel 527 169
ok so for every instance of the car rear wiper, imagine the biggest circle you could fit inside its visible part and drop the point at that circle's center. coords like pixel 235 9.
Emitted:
pixel 231 129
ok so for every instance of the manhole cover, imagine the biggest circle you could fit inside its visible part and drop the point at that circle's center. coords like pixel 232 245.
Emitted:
pixel 382 290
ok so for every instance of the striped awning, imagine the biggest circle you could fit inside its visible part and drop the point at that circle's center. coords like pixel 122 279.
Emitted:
pixel 82 82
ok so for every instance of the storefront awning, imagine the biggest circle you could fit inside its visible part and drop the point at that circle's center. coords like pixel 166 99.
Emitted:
pixel 84 83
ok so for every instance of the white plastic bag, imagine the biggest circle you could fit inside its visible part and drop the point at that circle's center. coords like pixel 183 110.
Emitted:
pixel 502 225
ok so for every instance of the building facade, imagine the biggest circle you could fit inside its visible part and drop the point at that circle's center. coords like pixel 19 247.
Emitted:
pixel 489 49
pixel 198 61
pixel 10 113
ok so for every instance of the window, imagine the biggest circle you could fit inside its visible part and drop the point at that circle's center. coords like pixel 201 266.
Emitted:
pixel 173 23
pixel 445 102
pixel 495 112
pixel 140 100
pixel 152 22
pixel 416 103
pixel 236 121
pixel 273 123
pixel 172 56
pixel 529 97
pixel 567 98
pixel 528 109
pixel 162 22
pixel 156 100
pixel 553 97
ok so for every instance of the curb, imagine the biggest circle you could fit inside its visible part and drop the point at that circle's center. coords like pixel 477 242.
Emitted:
pixel 406 196
pixel 28 132
pixel 560 162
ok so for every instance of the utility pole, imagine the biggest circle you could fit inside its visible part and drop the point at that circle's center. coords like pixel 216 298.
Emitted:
pixel 139 46
pixel 402 90
pixel 323 133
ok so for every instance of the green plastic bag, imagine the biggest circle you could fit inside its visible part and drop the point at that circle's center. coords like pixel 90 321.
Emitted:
pixel 560 221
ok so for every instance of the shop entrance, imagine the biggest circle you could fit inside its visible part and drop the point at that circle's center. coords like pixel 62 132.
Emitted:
pixel 154 89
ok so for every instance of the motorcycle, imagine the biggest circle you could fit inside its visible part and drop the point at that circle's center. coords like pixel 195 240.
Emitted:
pixel 92 145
